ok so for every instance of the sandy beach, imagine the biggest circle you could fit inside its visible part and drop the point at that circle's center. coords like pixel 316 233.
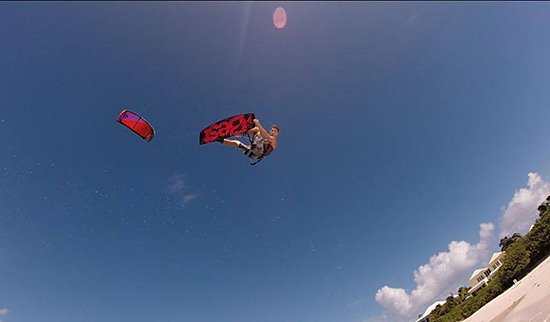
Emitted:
pixel 527 301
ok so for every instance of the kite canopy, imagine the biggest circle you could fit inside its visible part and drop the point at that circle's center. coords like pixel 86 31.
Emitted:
pixel 137 124
pixel 231 126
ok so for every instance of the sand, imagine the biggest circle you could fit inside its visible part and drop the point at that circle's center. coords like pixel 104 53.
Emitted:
pixel 526 301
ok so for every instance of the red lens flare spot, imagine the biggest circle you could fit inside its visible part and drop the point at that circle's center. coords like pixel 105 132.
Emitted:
pixel 279 18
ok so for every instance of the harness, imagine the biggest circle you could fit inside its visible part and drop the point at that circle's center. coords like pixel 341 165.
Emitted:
pixel 267 148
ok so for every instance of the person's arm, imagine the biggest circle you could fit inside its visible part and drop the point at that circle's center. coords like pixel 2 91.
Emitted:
pixel 263 132
pixel 254 130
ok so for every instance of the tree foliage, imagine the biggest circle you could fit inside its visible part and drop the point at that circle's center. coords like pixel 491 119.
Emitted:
pixel 508 240
pixel 516 259
pixel 538 239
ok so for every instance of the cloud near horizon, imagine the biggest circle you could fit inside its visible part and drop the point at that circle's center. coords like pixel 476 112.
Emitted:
pixel 3 313
pixel 521 212
pixel 434 278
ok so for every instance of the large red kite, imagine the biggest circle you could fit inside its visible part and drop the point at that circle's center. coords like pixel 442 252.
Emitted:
pixel 137 124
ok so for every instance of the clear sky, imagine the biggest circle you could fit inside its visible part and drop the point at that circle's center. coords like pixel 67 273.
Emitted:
pixel 403 127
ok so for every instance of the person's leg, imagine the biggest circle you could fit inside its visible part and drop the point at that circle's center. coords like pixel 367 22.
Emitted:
pixel 235 144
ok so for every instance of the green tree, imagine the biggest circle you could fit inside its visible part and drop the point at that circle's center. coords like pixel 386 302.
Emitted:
pixel 462 293
pixel 538 239
pixel 509 240
pixel 450 302
pixel 515 261
pixel 436 313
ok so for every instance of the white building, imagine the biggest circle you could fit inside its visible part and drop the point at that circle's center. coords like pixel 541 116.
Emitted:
pixel 480 277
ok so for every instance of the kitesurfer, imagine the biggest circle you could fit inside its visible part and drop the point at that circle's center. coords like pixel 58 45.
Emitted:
pixel 262 143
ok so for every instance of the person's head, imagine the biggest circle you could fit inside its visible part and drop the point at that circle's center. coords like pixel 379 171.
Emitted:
pixel 274 131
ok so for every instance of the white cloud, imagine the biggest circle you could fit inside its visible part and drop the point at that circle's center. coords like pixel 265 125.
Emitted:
pixel 177 183
pixel 382 318
pixel 355 303
pixel 188 198
pixel 438 276
pixel 521 211
pixel 411 19
pixel 396 300
pixel 179 189
pixel 3 313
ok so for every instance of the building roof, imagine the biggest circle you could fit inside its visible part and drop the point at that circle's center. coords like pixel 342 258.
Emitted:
pixel 430 309
pixel 495 255
pixel 477 271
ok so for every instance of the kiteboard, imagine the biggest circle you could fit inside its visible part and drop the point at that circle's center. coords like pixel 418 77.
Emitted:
pixel 231 126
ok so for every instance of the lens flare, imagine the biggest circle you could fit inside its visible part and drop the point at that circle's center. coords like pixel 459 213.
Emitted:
pixel 279 18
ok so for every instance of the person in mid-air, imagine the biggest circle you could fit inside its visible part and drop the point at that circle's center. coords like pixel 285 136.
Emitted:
pixel 262 143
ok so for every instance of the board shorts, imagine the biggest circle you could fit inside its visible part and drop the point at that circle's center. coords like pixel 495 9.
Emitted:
pixel 255 151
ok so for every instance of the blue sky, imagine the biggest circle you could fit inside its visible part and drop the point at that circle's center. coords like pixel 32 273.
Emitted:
pixel 403 127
